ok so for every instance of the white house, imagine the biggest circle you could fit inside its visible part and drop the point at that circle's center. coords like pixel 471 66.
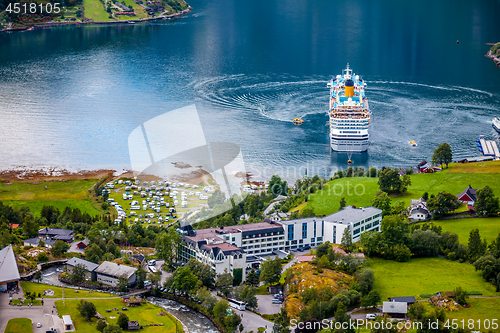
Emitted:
pixel 418 211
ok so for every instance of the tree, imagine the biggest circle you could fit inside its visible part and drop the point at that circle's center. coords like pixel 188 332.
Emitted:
pixel 167 245
pixel 202 271
pixel 112 328
pixel 77 274
pixel 390 181
pixel 185 281
pixel 342 203
pixel 86 309
pixel 282 322
pixel 460 296
pixel 322 249
pixel 101 325
pixel 122 284
pixel 476 248
pixel 140 275
pixel 270 270
pixel 231 322
pixel 93 253
pixel 442 155
pixel 206 298
pixel 366 277
pixel 59 248
pixel 383 202
pixel 220 310
pixel 277 187
pixel 224 283
pixel 122 321
pixel 217 198
pixel 252 278
pixel 404 183
pixel 443 203
pixel 342 317
pixel 371 299
pixel 307 211
pixel 425 196
pixel 155 279
pixel 42 257
pixel 30 227
pixel 425 243
pixel 400 252
pixel 346 242
pixel 489 266
pixel 486 203
pixel 248 295
pixel 395 230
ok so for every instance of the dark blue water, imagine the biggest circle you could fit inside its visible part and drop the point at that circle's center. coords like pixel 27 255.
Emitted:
pixel 70 96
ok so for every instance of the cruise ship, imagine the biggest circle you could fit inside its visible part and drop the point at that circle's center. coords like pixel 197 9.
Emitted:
pixel 349 113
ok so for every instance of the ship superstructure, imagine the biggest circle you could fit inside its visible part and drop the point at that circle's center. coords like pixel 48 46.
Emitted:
pixel 349 113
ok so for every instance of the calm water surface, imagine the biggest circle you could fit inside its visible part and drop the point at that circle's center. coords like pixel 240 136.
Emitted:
pixel 70 96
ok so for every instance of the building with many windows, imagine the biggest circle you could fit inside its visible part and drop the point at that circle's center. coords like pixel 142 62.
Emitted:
pixel 244 246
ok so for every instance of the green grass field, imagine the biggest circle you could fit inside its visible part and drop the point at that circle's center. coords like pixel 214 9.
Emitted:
pixel 489 228
pixel 361 191
pixel 68 292
pixel 357 191
pixel 145 314
pixel 15 302
pixel 95 10
pixel 480 308
pixel 426 276
pixel 19 325
pixel 72 193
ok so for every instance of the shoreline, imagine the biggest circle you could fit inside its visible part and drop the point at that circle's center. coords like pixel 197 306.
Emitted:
pixel 495 59
pixel 49 24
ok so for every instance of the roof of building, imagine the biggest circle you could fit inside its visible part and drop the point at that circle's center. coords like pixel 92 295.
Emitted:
pixel 54 232
pixel 226 248
pixel 110 268
pixel 8 265
pixel 305 258
pixel 406 299
pixel 419 210
pixel 139 257
pixel 67 320
pixel 470 192
pixel 217 234
pixel 395 307
pixel 35 241
pixel 89 266
pixel 351 214
pixel 338 250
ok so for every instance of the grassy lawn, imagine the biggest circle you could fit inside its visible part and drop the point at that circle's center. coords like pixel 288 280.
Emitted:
pixel 145 314
pixel 15 302
pixel 73 193
pixel 68 292
pixel 95 10
pixel 19 325
pixel 488 227
pixel 480 308
pixel 426 276
pixel 139 11
pixel 357 191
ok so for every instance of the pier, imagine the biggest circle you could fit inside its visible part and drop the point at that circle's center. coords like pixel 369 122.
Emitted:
pixel 488 147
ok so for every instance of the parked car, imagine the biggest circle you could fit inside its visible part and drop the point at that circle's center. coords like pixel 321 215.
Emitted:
pixel 371 316
pixel 38 325
pixel 277 301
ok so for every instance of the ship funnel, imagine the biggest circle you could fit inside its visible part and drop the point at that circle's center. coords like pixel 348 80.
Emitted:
pixel 349 88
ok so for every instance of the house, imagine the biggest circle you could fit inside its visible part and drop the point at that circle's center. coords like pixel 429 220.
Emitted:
pixel 133 325
pixel 82 245
pixel 9 273
pixel 339 250
pixel 35 241
pixel 468 195
pixel 278 216
pixel 109 273
pixel 418 211
pixel 90 267
pixel 407 299
pixel 425 167
pixel 68 323
pixel 395 309
pixel 402 172
pixel 57 234
pixel 139 257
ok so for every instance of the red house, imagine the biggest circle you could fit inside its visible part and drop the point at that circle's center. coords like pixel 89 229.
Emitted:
pixel 425 167
pixel 468 195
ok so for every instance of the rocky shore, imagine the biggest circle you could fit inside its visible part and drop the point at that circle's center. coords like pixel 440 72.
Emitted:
pixel 494 54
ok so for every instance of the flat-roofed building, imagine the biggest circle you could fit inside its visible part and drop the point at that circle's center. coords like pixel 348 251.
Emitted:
pixel 109 273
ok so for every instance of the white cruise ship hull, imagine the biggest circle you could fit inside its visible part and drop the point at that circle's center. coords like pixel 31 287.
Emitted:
pixel 349 146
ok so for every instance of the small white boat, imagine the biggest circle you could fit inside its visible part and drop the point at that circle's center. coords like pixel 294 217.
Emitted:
pixel 496 124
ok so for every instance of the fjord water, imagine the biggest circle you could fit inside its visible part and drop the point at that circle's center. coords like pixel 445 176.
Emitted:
pixel 70 96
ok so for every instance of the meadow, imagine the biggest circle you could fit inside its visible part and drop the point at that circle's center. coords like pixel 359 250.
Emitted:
pixel 68 292
pixel 489 228
pixel 423 276
pixel 145 314
pixel 17 325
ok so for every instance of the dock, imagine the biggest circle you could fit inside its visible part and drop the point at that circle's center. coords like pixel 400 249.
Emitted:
pixel 488 147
